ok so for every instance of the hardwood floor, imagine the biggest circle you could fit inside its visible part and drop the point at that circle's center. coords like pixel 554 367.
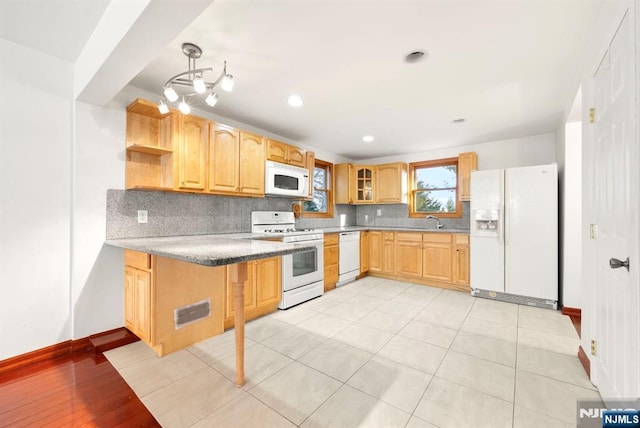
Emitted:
pixel 81 389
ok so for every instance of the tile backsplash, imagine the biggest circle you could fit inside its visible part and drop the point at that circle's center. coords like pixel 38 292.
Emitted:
pixel 172 213
pixel 397 215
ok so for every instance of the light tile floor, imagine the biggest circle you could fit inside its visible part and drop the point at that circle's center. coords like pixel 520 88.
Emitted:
pixel 374 353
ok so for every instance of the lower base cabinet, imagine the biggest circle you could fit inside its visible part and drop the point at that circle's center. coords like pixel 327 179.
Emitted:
pixel 160 295
pixel 440 259
pixel 262 291
pixel 159 290
pixel 331 259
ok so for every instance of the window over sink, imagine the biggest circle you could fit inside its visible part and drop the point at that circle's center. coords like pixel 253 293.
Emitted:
pixel 433 188
pixel 322 203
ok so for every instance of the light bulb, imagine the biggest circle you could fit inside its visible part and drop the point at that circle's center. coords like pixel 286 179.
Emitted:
pixel 212 99
pixel 170 94
pixel 184 107
pixel 163 108
pixel 295 101
pixel 227 83
pixel 199 86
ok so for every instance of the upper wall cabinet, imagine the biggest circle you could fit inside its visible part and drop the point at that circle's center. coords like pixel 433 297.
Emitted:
pixel 311 166
pixel 236 161
pixel 224 152
pixel 368 184
pixel 391 183
pixel 187 153
pixel 284 153
pixel 467 162
pixel 344 187
pixel 364 180
pixel 149 147
pixel 193 138
pixel 251 165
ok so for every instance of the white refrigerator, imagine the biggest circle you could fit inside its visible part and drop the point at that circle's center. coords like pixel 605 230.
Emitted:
pixel 514 235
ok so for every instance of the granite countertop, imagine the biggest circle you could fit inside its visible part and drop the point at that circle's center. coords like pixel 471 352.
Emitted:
pixel 210 250
pixel 390 228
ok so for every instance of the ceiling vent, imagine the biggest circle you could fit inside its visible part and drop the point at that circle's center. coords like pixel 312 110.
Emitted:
pixel 416 56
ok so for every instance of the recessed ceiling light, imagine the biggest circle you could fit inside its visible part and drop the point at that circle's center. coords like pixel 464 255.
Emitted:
pixel 367 138
pixel 295 101
pixel 459 120
pixel 416 56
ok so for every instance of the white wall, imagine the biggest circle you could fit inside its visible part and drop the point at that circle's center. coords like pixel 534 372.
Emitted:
pixel 97 273
pixel 523 151
pixel 35 199
pixel 572 218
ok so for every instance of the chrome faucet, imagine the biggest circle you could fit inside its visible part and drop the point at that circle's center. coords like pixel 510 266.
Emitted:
pixel 438 224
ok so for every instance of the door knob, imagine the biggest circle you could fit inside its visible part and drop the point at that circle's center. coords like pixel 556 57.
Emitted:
pixel 615 263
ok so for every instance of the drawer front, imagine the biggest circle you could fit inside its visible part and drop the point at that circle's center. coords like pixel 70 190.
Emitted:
pixel 444 238
pixel 331 255
pixel 331 239
pixel 388 236
pixel 137 259
pixel 461 239
pixel 408 236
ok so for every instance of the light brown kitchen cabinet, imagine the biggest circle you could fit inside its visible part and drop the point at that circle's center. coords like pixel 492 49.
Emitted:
pixel 461 259
pixel 224 159
pixel 368 184
pixel 391 183
pixel 311 166
pixel 156 287
pixel 137 304
pixel 278 151
pixel 364 184
pixel 344 184
pixel 149 147
pixel 236 162
pixel 364 252
pixel 331 260
pixel 263 289
pixel 408 254
pixel 467 162
pixel 389 251
pixel 375 251
pixel 251 166
pixel 437 260
pixel 193 139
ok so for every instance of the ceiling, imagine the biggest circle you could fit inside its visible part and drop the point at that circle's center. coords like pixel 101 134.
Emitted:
pixel 509 67
pixel 57 27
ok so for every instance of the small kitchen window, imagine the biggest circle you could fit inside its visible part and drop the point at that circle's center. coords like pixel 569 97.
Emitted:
pixel 322 203
pixel 434 188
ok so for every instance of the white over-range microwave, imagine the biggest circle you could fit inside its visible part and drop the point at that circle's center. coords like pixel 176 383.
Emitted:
pixel 286 180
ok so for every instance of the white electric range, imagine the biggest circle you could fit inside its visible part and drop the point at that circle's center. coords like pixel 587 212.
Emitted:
pixel 303 272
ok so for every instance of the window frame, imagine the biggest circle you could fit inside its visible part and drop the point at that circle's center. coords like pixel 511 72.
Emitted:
pixel 413 166
pixel 328 167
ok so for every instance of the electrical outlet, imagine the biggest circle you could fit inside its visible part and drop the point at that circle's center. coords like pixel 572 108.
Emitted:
pixel 366 218
pixel 143 216
pixel 379 212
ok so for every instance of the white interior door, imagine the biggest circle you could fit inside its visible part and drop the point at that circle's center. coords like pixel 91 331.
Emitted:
pixel 615 204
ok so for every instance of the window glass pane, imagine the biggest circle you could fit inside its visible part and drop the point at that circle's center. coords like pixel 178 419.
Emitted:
pixel 435 201
pixel 318 204
pixel 436 177
pixel 319 178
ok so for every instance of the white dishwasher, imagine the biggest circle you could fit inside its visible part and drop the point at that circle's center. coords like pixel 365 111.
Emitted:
pixel 349 257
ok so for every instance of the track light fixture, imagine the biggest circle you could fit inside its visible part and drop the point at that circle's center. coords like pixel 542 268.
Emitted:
pixel 193 78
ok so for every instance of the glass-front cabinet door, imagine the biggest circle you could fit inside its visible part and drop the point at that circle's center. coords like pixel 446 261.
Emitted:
pixel 364 182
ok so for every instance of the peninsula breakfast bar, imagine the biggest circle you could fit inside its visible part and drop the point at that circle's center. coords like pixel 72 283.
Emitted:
pixel 216 250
